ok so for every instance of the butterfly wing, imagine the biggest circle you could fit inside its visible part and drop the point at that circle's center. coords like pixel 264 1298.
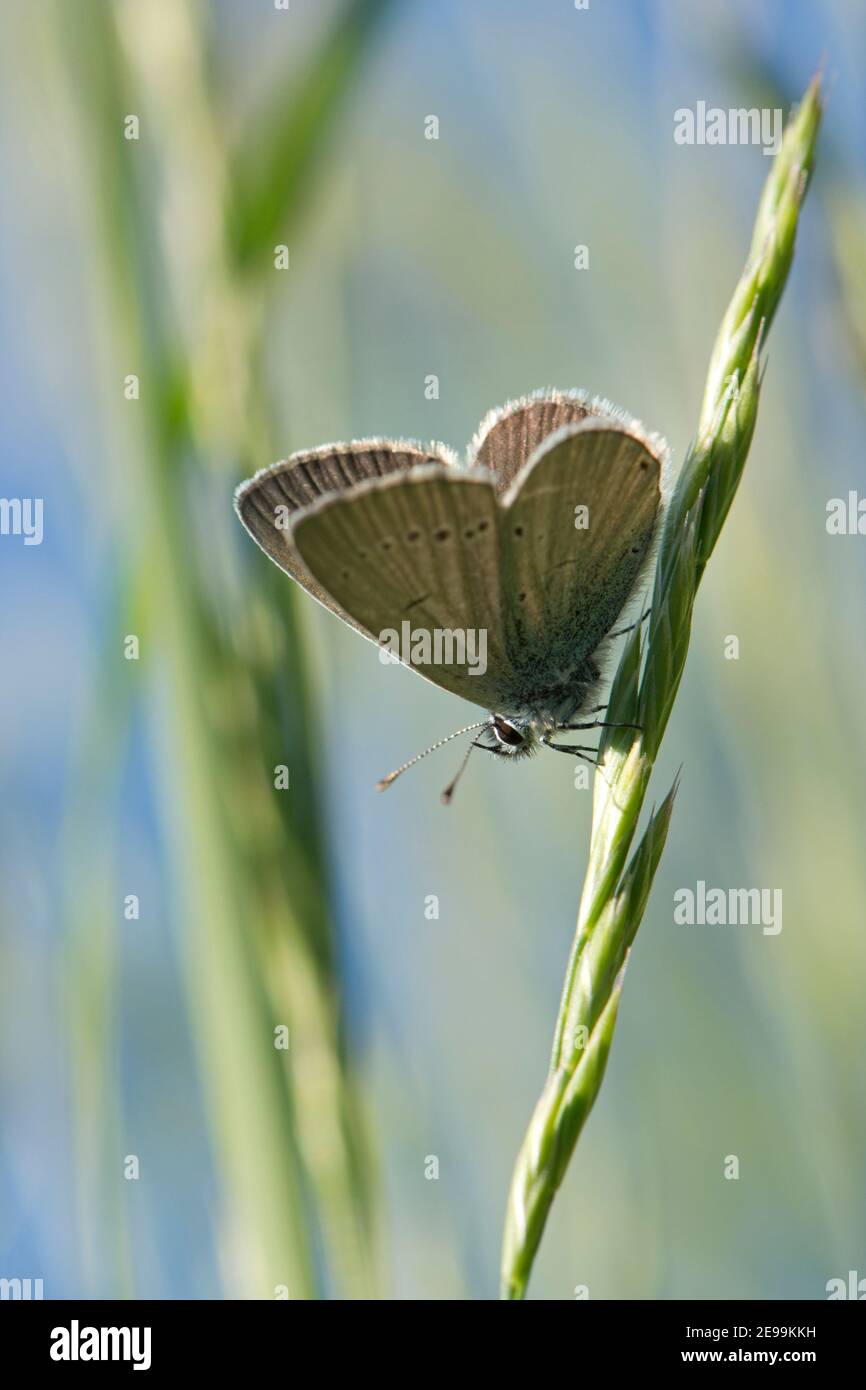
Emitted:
pixel 422 549
pixel 267 503
pixel 567 572
pixel 508 436
pixel 390 535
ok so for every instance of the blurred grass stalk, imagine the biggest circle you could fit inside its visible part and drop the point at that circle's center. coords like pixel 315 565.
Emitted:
pixel 89 966
pixel 615 891
pixel 186 236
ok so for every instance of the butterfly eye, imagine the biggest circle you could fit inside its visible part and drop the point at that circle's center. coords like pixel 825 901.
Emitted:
pixel 506 732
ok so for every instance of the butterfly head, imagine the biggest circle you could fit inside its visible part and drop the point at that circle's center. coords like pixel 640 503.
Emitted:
pixel 509 736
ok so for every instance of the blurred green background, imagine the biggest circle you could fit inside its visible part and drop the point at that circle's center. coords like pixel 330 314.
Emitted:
pixel 264 1171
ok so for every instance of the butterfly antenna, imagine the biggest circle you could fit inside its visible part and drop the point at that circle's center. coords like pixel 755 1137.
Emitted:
pixel 446 796
pixel 392 776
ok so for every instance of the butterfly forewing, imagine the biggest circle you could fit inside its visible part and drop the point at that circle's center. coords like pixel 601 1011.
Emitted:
pixel 422 550
pixel 267 503
pixel 578 524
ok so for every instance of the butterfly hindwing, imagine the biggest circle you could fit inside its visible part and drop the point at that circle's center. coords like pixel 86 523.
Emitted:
pixel 508 437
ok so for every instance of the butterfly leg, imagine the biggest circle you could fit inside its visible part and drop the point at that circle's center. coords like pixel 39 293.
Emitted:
pixel 579 751
pixel 597 723
pixel 621 631
pixel 600 724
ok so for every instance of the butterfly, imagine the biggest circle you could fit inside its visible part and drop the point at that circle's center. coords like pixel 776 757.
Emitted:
pixel 536 542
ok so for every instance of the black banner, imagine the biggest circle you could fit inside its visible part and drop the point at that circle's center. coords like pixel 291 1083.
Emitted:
pixel 67 1338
